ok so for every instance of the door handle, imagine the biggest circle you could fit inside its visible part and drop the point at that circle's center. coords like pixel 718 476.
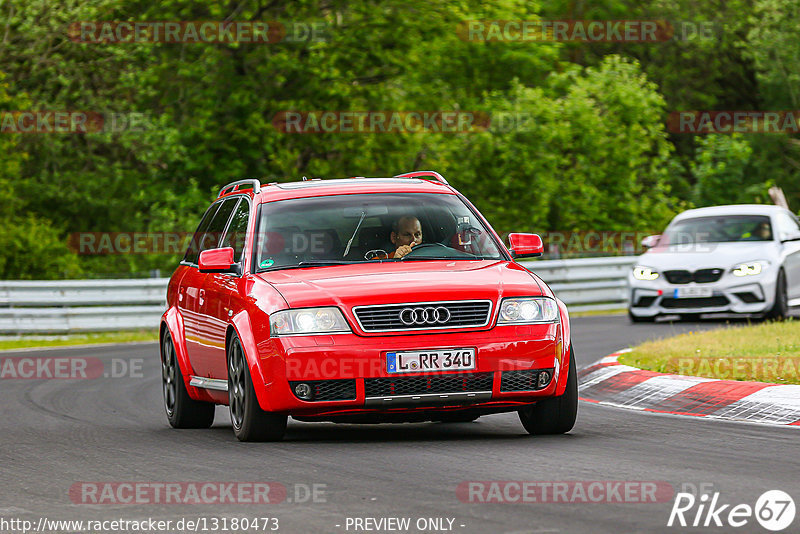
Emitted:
pixel 202 296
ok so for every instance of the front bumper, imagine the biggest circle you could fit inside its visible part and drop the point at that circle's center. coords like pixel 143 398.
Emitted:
pixel 358 361
pixel 730 294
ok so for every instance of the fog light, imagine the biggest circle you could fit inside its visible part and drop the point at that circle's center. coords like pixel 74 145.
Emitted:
pixel 303 391
pixel 544 378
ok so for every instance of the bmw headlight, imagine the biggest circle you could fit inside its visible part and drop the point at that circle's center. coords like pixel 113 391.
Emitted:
pixel 308 321
pixel 750 268
pixel 523 310
pixel 641 272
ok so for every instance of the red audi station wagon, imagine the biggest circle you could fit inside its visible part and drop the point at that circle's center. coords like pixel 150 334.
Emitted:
pixel 361 300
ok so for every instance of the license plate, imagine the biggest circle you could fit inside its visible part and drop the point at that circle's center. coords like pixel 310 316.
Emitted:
pixel 430 360
pixel 693 292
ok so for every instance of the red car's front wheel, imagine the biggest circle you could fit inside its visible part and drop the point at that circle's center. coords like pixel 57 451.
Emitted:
pixel 555 415
pixel 250 422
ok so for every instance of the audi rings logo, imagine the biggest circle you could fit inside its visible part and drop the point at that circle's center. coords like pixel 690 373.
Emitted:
pixel 424 316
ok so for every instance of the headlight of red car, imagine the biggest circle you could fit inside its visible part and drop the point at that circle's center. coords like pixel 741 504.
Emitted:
pixel 308 321
pixel 525 310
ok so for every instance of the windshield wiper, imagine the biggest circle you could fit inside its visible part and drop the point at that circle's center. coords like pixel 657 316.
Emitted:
pixel 418 258
pixel 347 248
pixel 318 263
pixel 312 263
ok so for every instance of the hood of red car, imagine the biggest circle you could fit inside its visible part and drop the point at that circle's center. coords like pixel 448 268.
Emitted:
pixel 362 284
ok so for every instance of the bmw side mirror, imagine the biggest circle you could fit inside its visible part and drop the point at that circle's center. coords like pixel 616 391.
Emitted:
pixel 218 260
pixel 650 241
pixel 791 236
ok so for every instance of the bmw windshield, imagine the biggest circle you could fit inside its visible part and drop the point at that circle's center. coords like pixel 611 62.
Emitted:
pixel 344 229
pixel 718 229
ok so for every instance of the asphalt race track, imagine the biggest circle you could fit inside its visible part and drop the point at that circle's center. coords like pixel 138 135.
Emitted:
pixel 57 434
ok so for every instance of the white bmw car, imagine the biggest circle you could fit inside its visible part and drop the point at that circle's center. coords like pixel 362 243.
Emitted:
pixel 723 259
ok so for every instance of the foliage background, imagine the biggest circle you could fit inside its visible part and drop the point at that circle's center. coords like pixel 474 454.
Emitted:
pixel 595 156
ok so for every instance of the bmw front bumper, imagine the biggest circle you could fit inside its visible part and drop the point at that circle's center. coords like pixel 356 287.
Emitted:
pixel 729 294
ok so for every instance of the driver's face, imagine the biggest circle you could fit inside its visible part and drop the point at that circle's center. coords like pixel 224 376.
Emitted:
pixel 409 231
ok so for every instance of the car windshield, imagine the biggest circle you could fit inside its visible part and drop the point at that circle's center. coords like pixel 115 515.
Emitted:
pixel 342 229
pixel 720 229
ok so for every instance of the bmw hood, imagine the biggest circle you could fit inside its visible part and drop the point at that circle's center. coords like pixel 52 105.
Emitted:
pixel 362 284
pixel 708 255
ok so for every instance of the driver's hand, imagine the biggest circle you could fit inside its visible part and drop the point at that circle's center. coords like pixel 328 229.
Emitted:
pixel 402 250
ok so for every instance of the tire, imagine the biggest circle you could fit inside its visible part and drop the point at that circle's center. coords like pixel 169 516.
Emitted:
pixel 780 310
pixel 182 410
pixel 555 415
pixel 634 319
pixel 250 422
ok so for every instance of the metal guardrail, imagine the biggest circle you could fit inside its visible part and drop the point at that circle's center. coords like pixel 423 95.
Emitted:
pixel 587 284
pixel 66 306
pixel 30 307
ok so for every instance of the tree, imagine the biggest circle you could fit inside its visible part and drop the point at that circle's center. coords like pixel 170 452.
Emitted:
pixel 591 154
pixel 30 246
pixel 721 170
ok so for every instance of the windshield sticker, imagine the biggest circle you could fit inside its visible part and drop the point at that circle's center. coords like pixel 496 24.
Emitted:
pixel 266 263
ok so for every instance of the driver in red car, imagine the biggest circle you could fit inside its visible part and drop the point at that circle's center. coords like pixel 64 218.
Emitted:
pixel 406 232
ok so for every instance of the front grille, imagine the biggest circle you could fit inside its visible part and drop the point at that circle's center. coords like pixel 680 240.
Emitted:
pixel 701 276
pixel 459 314
pixel 421 385
pixel 703 302
pixel 706 276
pixel 329 390
pixel 526 380
pixel 678 277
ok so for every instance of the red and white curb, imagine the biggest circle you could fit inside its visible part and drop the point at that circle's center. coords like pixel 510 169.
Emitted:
pixel 610 383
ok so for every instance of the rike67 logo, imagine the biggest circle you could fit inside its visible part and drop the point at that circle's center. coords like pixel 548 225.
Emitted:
pixel 774 510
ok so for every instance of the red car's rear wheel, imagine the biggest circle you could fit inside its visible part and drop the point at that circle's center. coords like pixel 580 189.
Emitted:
pixel 182 410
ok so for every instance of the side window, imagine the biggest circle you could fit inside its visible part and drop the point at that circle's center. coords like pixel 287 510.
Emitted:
pixel 193 252
pixel 213 234
pixel 237 230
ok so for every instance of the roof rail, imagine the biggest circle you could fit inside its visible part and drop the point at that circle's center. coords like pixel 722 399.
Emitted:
pixel 234 186
pixel 419 174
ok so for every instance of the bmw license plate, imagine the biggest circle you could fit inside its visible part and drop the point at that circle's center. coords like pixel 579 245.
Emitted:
pixel 430 360
pixel 693 292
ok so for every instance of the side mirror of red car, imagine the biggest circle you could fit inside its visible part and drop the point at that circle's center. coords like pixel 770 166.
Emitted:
pixel 525 245
pixel 218 260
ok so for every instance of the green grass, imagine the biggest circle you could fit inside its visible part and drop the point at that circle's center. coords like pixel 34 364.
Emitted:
pixel 31 341
pixel 768 352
